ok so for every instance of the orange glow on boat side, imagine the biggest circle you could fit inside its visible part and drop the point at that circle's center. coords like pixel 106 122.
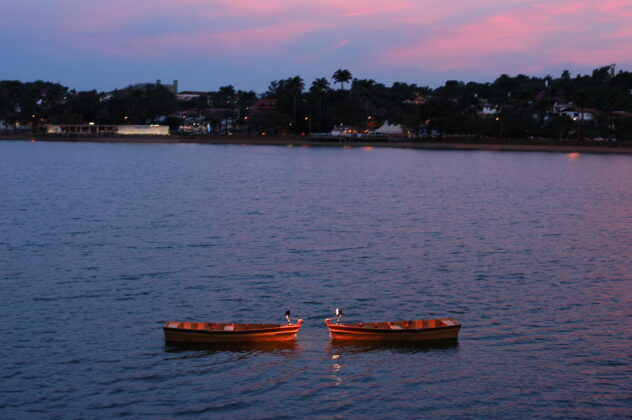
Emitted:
pixel 413 330
pixel 209 333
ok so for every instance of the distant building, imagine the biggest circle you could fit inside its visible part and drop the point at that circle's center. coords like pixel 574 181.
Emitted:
pixel 173 87
pixel 154 129
pixel 190 116
pixel 485 108
pixel 584 114
pixel 187 95
pixel 621 114
pixel 419 99
pixel 560 105
pixel 265 104
pixel 94 129
pixel 390 129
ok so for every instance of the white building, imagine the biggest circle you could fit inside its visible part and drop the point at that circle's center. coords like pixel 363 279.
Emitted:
pixel 94 129
pixel 580 114
pixel 187 95
pixel 486 108
pixel 390 129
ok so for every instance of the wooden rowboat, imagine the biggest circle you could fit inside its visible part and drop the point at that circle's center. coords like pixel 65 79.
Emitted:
pixel 417 330
pixel 205 333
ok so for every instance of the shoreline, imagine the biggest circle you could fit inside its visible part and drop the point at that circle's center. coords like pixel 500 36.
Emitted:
pixel 451 144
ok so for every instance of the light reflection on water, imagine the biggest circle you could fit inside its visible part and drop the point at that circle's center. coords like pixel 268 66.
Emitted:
pixel 338 348
pixel 340 351
pixel 290 349
pixel 100 244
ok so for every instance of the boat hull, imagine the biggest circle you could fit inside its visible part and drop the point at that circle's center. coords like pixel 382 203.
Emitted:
pixel 340 332
pixel 203 333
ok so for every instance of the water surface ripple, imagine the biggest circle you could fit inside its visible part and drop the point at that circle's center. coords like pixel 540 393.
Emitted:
pixel 102 243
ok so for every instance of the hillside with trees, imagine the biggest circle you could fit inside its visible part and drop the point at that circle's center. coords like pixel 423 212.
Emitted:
pixel 598 105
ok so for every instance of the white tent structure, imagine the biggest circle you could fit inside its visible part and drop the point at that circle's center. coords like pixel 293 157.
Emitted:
pixel 390 130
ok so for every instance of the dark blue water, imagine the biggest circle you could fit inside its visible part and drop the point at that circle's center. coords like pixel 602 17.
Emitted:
pixel 102 243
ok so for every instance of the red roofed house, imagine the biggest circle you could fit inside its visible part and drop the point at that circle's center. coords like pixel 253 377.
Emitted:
pixel 265 104
pixel 576 113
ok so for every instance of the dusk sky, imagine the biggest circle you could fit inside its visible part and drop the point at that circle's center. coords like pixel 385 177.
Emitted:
pixel 204 44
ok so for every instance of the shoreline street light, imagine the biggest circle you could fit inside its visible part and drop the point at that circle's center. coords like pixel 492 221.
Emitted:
pixel 309 124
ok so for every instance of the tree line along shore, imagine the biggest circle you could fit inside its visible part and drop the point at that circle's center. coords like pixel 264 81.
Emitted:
pixel 539 111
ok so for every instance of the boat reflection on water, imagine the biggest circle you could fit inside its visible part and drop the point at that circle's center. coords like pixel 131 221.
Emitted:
pixel 282 348
pixel 338 347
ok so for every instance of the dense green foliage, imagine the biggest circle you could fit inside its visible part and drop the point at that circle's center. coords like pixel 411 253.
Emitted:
pixel 519 106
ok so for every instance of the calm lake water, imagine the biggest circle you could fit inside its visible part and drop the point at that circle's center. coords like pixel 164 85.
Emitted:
pixel 100 244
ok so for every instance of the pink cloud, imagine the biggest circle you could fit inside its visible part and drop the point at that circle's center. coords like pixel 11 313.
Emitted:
pixel 319 53
pixel 560 33
pixel 292 9
pixel 270 10
pixel 618 6
pixel 377 8
pixel 458 45
pixel 241 8
pixel 434 35
pixel 250 41
pixel 260 38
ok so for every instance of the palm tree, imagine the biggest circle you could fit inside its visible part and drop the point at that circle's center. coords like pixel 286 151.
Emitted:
pixel 319 87
pixel 365 89
pixel 342 76
pixel 295 86
pixel 226 96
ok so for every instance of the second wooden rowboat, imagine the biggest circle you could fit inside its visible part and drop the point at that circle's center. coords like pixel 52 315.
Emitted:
pixel 205 332
pixel 416 330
